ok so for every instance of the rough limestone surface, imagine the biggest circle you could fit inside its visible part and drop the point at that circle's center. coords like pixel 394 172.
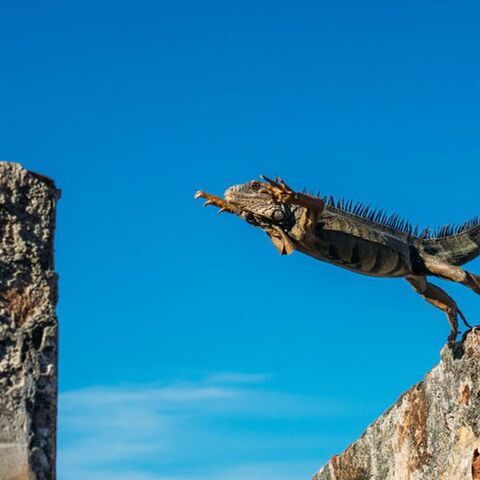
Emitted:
pixel 431 433
pixel 28 325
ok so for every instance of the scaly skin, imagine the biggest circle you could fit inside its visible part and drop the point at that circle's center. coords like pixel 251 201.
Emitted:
pixel 353 238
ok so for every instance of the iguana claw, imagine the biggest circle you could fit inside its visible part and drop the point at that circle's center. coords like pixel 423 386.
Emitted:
pixel 214 200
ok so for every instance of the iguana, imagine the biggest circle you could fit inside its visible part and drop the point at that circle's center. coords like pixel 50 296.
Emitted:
pixel 358 238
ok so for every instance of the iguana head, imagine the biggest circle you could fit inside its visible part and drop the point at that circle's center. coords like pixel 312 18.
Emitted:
pixel 254 200
pixel 260 204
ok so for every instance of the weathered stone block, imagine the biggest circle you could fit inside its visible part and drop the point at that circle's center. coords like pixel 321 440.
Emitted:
pixel 28 325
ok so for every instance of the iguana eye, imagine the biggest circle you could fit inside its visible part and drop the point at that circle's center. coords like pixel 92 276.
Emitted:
pixel 255 186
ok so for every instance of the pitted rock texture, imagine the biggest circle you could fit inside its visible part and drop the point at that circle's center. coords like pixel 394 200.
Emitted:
pixel 28 325
pixel 431 433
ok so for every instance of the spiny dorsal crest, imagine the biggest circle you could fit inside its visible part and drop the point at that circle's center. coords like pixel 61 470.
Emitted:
pixel 397 224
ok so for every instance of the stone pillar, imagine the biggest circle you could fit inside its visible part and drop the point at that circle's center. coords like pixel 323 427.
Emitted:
pixel 28 325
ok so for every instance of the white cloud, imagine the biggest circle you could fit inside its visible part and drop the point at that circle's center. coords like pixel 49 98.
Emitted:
pixel 267 471
pixel 247 471
pixel 238 378
pixel 226 426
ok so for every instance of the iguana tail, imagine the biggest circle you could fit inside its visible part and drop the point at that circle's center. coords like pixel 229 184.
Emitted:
pixel 456 248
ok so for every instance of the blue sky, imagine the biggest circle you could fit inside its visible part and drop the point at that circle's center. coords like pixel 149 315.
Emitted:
pixel 190 350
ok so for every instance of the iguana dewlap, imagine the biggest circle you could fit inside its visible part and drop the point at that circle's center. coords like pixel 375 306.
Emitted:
pixel 359 239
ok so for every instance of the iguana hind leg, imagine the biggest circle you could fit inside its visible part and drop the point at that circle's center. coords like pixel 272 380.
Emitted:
pixel 453 273
pixel 440 299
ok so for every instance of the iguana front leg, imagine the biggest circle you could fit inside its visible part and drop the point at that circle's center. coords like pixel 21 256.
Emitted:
pixel 216 202
pixel 282 193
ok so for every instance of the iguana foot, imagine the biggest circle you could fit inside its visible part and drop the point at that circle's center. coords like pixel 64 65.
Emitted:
pixel 452 337
pixel 214 200
pixel 280 191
